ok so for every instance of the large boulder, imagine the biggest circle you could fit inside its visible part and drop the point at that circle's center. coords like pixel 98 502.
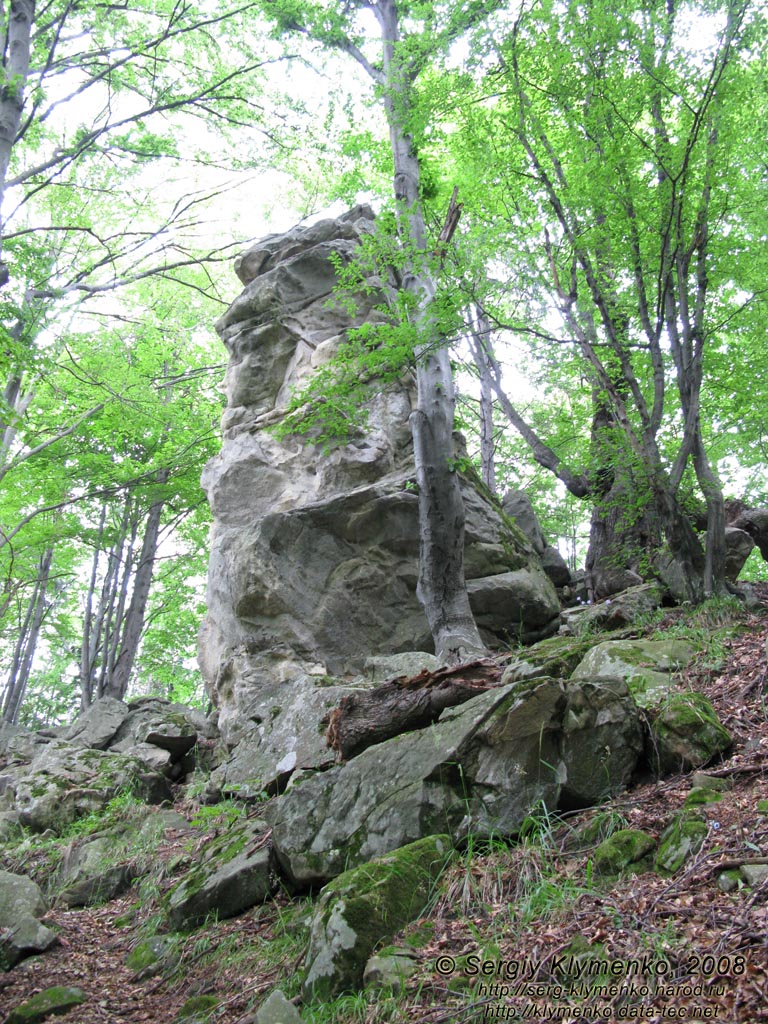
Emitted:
pixel 97 725
pixel 365 906
pixel 233 876
pixel 314 552
pixel 65 782
pixel 480 769
pixel 21 933
pixel 647 666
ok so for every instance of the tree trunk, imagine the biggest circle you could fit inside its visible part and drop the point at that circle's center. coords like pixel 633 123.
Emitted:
pixel 480 343
pixel 403 704
pixel 134 620
pixel 17 31
pixel 441 587
pixel 27 642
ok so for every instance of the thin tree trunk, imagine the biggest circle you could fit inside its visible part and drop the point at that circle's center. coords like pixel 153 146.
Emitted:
pixel 479 342
pixel 134 620
pixel 27 646
pixel 441 586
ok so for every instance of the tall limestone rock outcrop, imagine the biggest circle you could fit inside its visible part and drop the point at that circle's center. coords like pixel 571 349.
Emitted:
pixel 314 556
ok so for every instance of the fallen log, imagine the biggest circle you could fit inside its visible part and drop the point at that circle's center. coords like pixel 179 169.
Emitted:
pixel 404 704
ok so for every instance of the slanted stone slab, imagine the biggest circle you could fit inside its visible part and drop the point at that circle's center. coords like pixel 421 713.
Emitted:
pixel 235 877
pixel 482 767
pixel 97 725
pixel 51 1002
pixel 364 906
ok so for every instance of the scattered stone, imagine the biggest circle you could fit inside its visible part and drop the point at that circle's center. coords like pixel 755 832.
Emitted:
pixel 96 870
pixel 152 956
pixel 681 839
pixel 66 782
pixel 687 734
pixel 701 780
pixel 197 1009
pixel 365 905
pixel 699 796
pixel 626 850
pixel 48 1003
pixel 754 874
pixel 728 881
pixel 277 1009
pixel 387 971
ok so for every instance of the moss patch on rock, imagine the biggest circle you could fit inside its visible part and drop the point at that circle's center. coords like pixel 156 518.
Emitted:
pixel 687 734
pixel 365 906
pixel 48 1003
pixel 681 839
pixel 626 850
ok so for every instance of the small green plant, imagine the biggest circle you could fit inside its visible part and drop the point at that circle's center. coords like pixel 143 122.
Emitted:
pixel 224 813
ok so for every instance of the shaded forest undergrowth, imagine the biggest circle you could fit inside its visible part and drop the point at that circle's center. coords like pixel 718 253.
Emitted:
pixel 537 906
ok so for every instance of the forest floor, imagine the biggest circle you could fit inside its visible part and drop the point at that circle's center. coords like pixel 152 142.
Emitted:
pixel 533 911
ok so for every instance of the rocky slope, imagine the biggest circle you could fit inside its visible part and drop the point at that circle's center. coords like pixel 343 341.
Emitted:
pixel 544 898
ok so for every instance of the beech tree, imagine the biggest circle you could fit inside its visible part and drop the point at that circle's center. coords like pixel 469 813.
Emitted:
pixel 411 35
pixel 623 174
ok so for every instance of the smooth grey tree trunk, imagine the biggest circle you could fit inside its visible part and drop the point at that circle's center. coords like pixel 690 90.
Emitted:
pixel 441 587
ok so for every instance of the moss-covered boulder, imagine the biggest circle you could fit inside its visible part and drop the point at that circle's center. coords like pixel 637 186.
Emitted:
pixel 234 877
pixel 50 1002
pixel 153 955
pixel 647 666
pixel 364 907
pixel 628 850
pixel 65 782
pixel 556 657
pixel 687 734
pixel 681 839
pixel 601 744
pixel 197 1009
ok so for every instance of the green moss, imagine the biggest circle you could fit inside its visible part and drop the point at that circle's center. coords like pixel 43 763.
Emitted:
pixel 681 839
pixel 601 827
pixel 197 1006
pixel 50 1002
pixel 762 806
pixel 700 795
pixel 368 904
pixel 626 850
pixel 687 733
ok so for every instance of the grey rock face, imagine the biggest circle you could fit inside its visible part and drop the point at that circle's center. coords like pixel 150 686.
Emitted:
pixel 314 554
pixel 65 782
pixel 481 768
pixel 235 877
pixel 364 906
pixel 21 934
pixel 97 725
